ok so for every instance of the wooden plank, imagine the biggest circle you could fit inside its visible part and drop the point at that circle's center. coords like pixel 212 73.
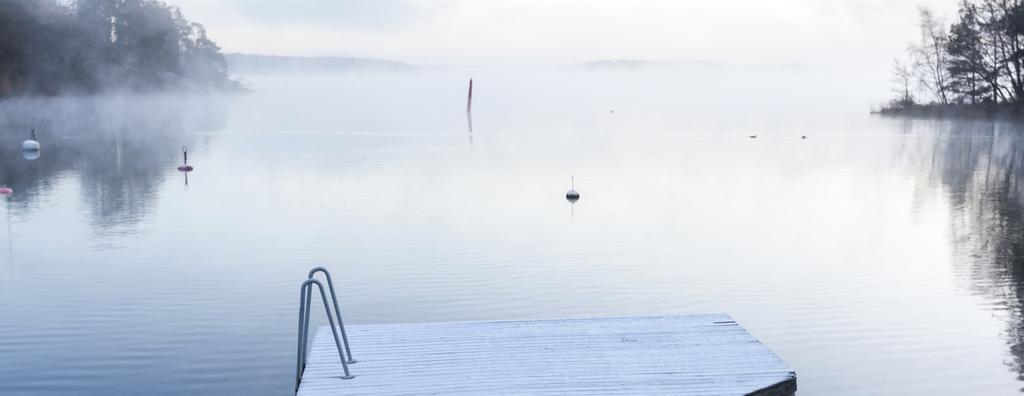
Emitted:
pixel 685 355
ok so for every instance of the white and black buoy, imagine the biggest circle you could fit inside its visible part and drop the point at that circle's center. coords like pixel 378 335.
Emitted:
pixel 572 195
pixel 186 167
pixel 31 144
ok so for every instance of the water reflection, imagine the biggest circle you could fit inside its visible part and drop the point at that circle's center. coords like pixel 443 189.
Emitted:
pixel 809 243
pixel 118 149
pixel 979 166
pixel 10 235
pixel 31 155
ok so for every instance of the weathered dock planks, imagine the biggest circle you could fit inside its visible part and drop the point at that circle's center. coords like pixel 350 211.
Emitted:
pixel 682 355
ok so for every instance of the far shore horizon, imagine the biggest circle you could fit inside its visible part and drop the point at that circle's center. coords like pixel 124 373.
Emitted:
pixel 347 61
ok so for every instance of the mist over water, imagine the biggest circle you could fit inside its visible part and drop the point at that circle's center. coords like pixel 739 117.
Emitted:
pixel 683 98
pixel 879 255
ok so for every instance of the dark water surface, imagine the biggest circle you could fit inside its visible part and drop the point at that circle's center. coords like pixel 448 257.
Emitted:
pixel 879 256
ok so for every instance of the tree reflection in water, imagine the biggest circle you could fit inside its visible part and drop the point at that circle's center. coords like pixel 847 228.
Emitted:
pixel 119 149
pixel 978 164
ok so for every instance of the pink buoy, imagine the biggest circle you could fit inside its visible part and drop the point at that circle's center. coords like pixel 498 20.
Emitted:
pixel 6 191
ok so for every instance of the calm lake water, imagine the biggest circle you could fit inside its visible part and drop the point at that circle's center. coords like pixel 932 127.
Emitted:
pixel 878 256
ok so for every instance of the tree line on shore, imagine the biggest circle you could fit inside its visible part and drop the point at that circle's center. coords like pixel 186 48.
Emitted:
pixel 977 61
pixel 52 47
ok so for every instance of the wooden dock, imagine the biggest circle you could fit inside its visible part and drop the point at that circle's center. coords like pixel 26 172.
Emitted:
pixel 680 355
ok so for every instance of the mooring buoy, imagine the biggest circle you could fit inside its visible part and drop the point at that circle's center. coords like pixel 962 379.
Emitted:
pixel 572 195
pixel 31 144
pixel 186 167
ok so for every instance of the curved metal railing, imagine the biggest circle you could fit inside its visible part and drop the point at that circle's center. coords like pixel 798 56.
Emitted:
pixel 305 300
pixel 337 311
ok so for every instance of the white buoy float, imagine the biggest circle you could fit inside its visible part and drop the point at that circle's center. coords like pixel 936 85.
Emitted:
pixel 572 195
pixel 31 144
pixel 186 167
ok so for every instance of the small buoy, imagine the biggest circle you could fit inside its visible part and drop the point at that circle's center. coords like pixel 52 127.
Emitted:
pixel 6 191
pixel 803 137
pixel 572 195
pixel 186 167
pixel 753 136
pixel 613 111
pixel 31 144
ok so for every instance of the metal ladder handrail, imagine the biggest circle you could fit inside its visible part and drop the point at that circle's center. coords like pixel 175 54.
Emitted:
pixel 337 311
pixel 305 292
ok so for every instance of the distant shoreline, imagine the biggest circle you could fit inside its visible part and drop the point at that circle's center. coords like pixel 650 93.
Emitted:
pixel 935 110
pixel 240 63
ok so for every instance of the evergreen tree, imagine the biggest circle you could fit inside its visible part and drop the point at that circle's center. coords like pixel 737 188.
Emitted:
pixel 970 74
pixel 88 46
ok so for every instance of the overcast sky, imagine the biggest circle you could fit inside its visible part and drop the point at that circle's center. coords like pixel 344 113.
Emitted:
pixel 487 32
